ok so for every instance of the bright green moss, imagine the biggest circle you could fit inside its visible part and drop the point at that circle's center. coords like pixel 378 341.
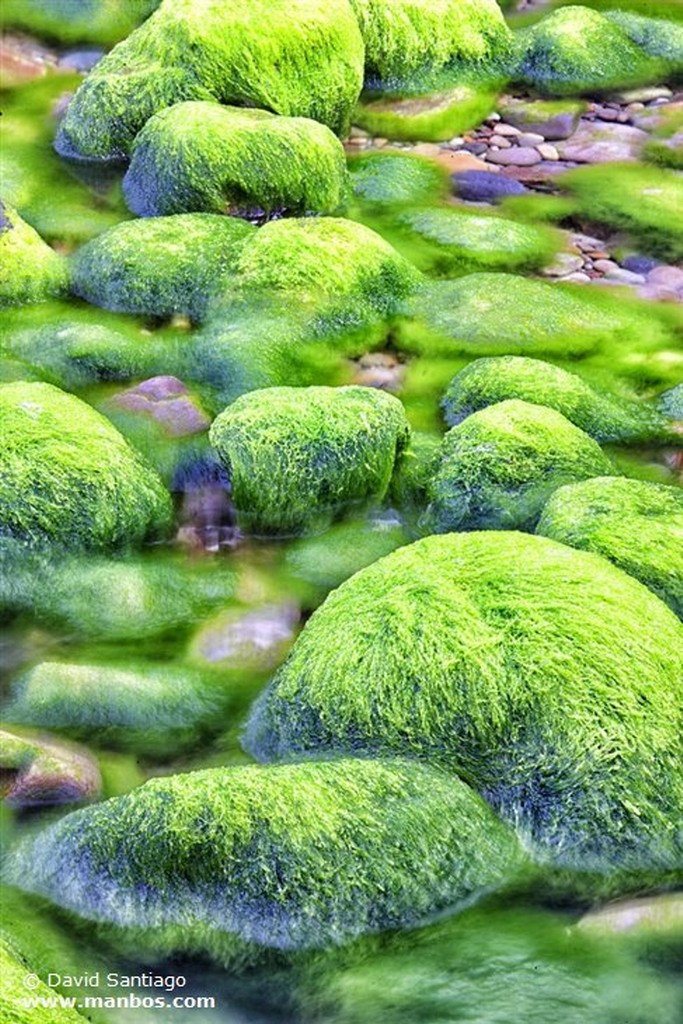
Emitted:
pixel 289 856
pixel 603 416
pixel 152 709
pixel 416 466
pixel 645 201
pixel 576 50
pixel 500 465
pixel 392 178
pixel 77 21
pixel 256 54
pixel 522 664
pixel 297 456
pixel 31 270
pixel 69 477
pixel 14 991
pixel 161 266
pixel 329 559
pixel 202 156
pixel 654 35
pixel 410 41
pixel 433 117
pixel 636 525
pixel 665 145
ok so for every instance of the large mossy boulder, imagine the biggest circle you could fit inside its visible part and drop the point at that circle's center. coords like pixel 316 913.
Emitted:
pixel 576 50
pixel 287 857
pixel 162 266
pixel 31 270
pixel 603 416
pixel 298 456
pixel 203 156
pixel 523 665
pixel 256 54
pixel 635 524
pixel 69 477
pixel 498 467
pixel 410 42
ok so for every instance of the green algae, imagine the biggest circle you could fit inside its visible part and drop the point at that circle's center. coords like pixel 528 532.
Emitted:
pixel 77 21
pixel 202 156
pixel 329 559
pixel 287 857
pixel 603 416
pixel 487 652
pixel 298 456
pixel 70 477
pixel 162 266
pixel 32 271
pixel 219 50
pixel 416 466
pixel 656 36
pixel 432 117
pixel 392 178
pixel 500 465
pixel 636 525
pixel 14 993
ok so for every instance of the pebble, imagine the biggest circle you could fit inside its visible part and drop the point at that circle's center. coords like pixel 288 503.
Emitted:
pixel 558 126
pixel 530 139
pixel 665 276
pixel 621 276
pixel 604 266
pixel 542 173
pixel 247 641
pixel 476 148
pixel 517 156
pixel 565 263
pixel 662 913
pixel 486 186
pixel 548 151
pixel 602 143
pixel 167 401
pixel 500 142
pixel 459 160
pixel 507 129
pixel 23 59
pixel 645 94
pixel 586 243
pixel 81 60
pixel 47 772
pixel 639 264
pixel 579 277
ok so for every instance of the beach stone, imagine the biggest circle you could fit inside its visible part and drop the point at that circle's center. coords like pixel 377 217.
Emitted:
pixel 604 143
pixel 168 402
pixel 645 94
pixel 486 186
pixel 649 915
pixel 518 156
pixel 530 139
pixel 640 264
pixel 455 161
pixel 665 276
pixel 621 276
pixel 500 142
pixel 548 151
pixel 42 771
pixel 564 263
pixel 542 173
pixel 508 130
pixel 23 60
pixel 604 266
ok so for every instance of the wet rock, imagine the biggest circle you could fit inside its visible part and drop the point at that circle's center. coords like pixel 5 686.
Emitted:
pixel 604 143
pixel 667 277
pixel 80 60
pixel 553 119
pixel 649 915
pixel 39 771
pixel 167 401
pixel 530 139
pixel 499 142
pixel 547 151
pixel 485 186
pixel 620 276
pixel 254 640
pixel 639 264
pixel 564 263
pixel 23 60
pixel 517 156
pixel 433 117
pixel 543 173
pixel 380 370
pixel 461 161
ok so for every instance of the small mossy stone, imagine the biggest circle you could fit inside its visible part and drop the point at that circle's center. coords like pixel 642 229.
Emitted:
pixel 31 270
pixel 256 55
pixel 635 524
pixel 162 266
pixel 603 416
pixel 430 117
pixel 206 157
pixel 298 456
pixel 501 464
pixel 69 477
pixel 286 857
pixel 645 201
pixel 576 50
pixel 393 178
pixel 409 41
pixel 522 664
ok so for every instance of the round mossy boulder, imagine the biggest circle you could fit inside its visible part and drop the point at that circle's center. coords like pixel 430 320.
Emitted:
pixel 255 55
pixel 31 270
pixel 603 416
pixel 499 467
pixel 576 50
pixel 298 456
pixel 635 524
pixel 287 856
pixel 203 156
pixel 161 266
pixel 408 42
pixel 69 477
pixel 523 665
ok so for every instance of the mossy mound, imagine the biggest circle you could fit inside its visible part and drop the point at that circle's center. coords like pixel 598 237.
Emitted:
pixel 502 314
pixel 446 240
pixel 417 465
pixel 576 50
pixel 15 993
pixel 412 41
pixel 68 475
pixel 645 201
pixel 297 456
pixel 522 664
pixel 392 178
pixel 603 416
pixel 202 156
pixel 162 266
pixel 500 465
pixel 256 54
pixel 31 270
pixel 77 21
pixel 636 525
pixel 152 709
pixel 656 36
pixel 287 857
pixel 429 117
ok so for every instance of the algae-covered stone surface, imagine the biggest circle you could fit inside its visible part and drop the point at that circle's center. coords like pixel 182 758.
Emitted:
pixel 32 271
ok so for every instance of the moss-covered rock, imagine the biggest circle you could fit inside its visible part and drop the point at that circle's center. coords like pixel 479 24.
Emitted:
pixel 577 50
pixel 255 55
pixel 665 145
pixel 392 178
pixel 31 270
pixel 162 266
pixel 431 117
pixel 289 856
pixel 297 456
pixel 68 475
pixel 14 993
pixel 203 156
pixel 658 37
pixel 636 525
pixel 500 465
pixel 604 416
pixel 40 770
pixel 522 664
pixel 645 201
pixel 409 41
pixel 153 709
pixel 417 465
pixel 77 21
